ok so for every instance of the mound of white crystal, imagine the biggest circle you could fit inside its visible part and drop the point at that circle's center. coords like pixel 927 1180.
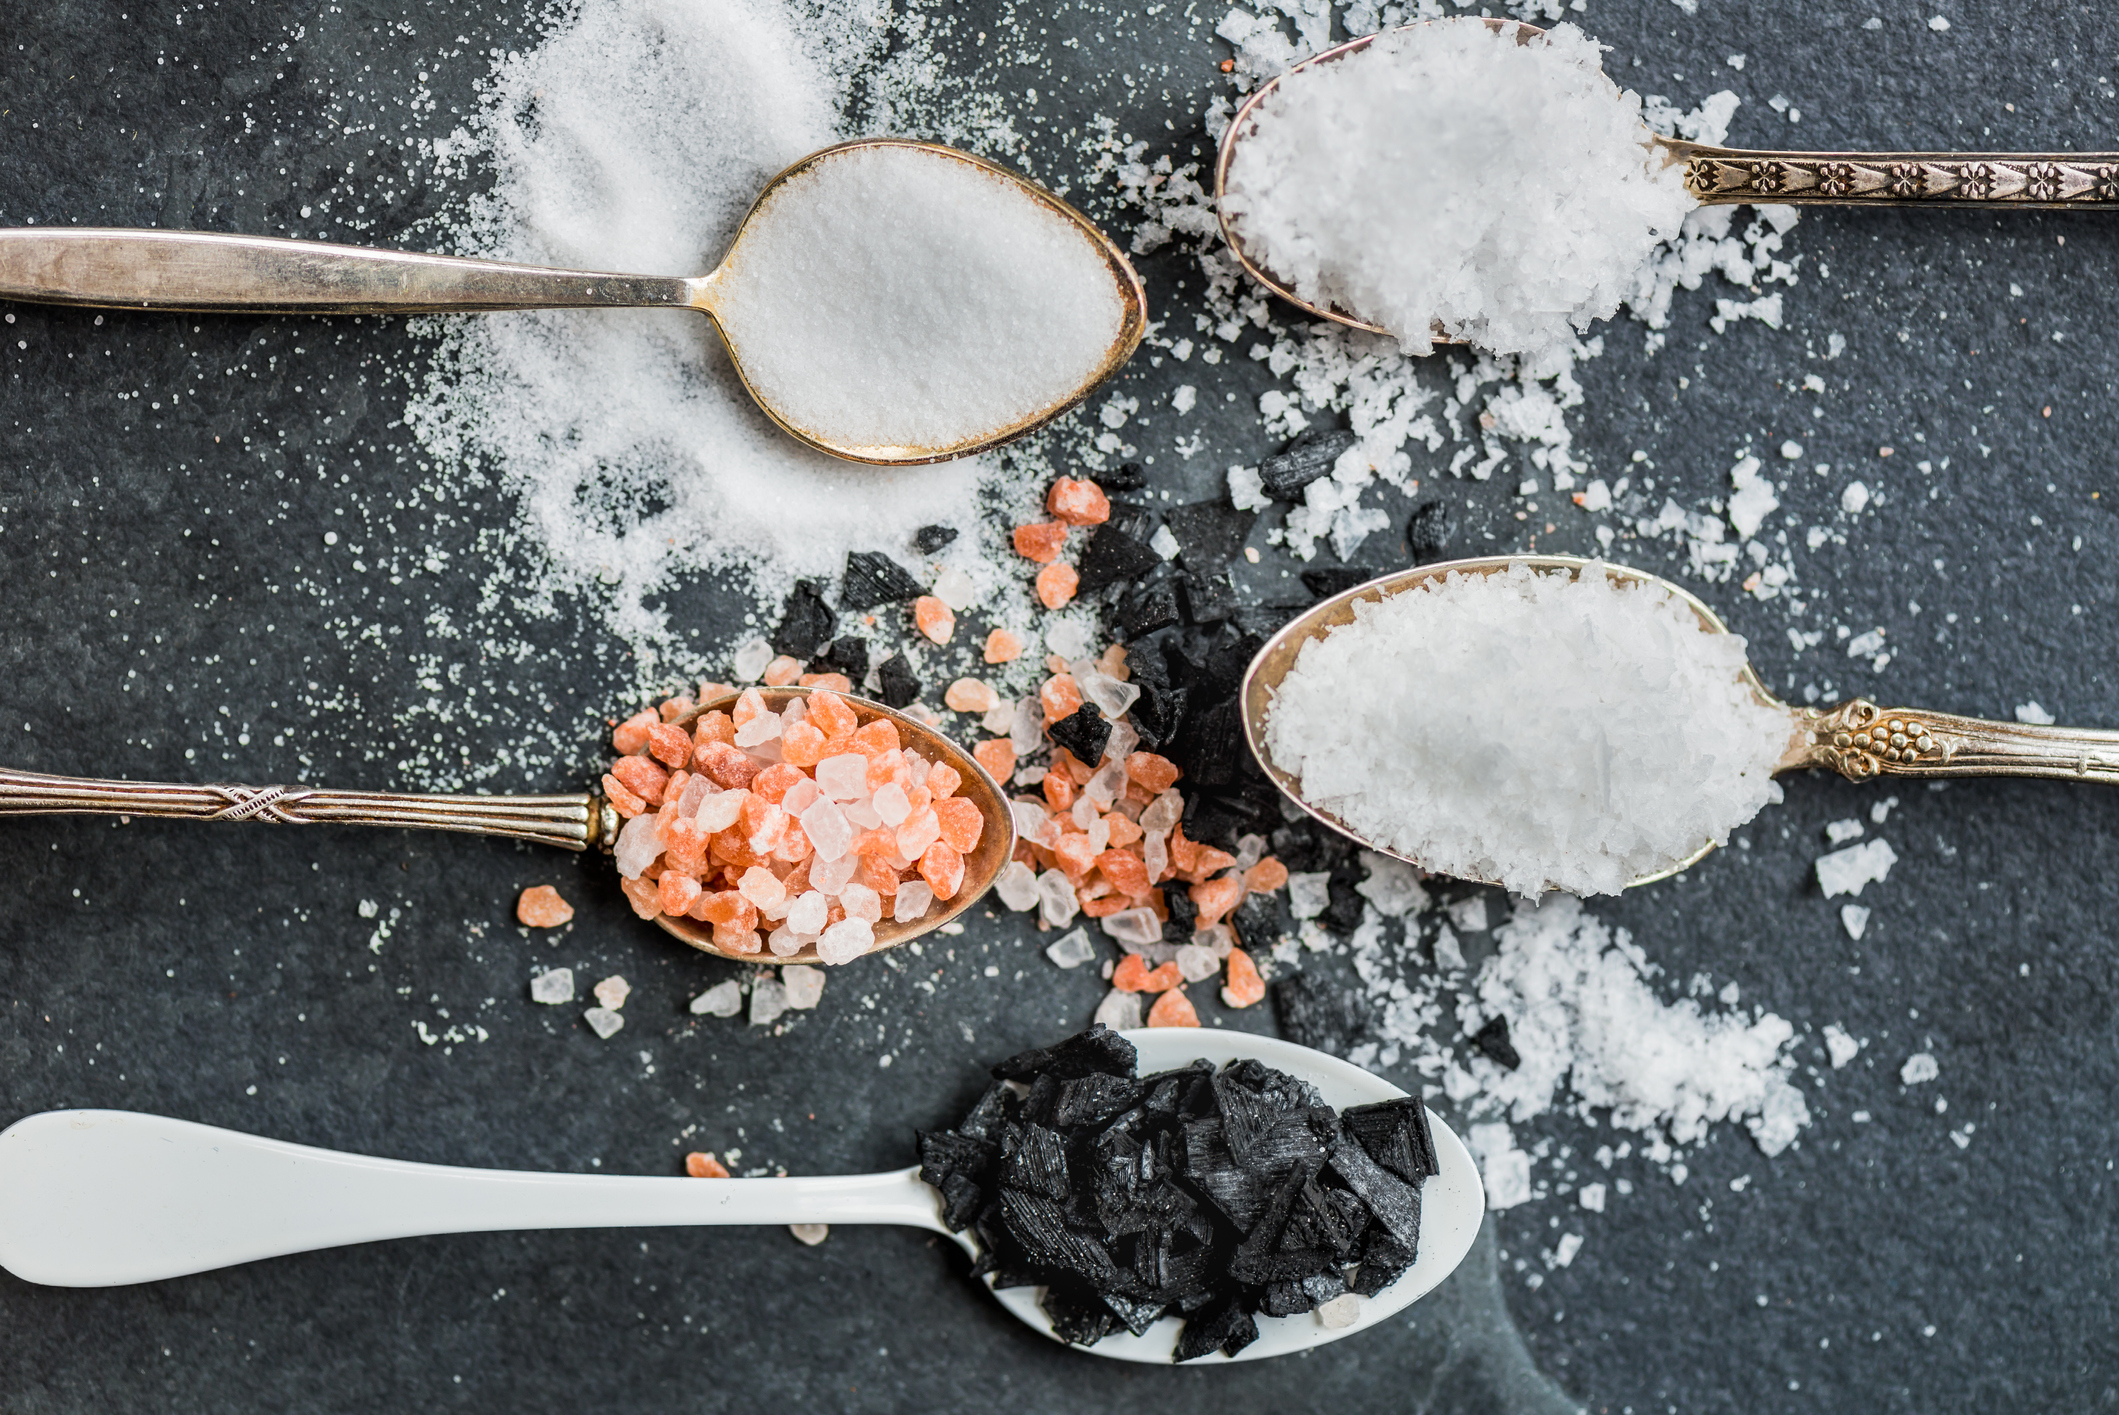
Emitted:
pixel 1449 178
pixel 1538 729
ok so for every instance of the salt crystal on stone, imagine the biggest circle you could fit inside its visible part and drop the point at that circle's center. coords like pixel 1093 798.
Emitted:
pixel 1855 919
pixel 1028 732
pixel 1342 1311
pixel 750 660
pixel 804 985
pixel 1120 1011
pixel 1016 886
pixel 768 999
pixel 613 991
pixel 1548 730
pixel 1417 183
pixel 897 297
pixel 810 1234
pixel 845 941
pixel 1196 963
pixel 913 900
pixel 1056 901
pixel 553 986
pixel 1133 927
pixel 1250 849
pixel 1309 893
pixel 830 832
pixel 1919 1067
pixel 1392 886
pixel 1840 1047
pixel 603 1022
pixel 844 777
pixel 638 845
pixel 1072 949
pixel 1469 914
pixel 1849 871
pixel 720 1000
pixel 1217 939
pixel 861 902
pixel 956 589
pixel 1030 819
pixel 998 720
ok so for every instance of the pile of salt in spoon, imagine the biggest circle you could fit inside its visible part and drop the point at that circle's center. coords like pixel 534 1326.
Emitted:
pixel 785 830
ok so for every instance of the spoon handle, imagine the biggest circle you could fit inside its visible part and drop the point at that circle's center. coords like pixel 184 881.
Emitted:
pixel 574 822
pixel 204 270
pixel 1862 741
pixel 95 1198
pixel 2041 179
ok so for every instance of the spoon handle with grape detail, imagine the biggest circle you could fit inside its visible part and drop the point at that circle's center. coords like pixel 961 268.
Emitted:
pixel 1862 741
pixel 205 270
pixel 1719 175
pixel 573 822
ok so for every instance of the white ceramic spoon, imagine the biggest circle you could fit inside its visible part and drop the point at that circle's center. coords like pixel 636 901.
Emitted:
pixel 97 1198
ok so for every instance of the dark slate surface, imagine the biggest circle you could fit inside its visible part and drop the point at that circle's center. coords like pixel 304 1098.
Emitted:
pixel 168 594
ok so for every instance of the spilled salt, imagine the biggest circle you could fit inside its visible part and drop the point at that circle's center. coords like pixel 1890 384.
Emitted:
pixel 897 296
pixel 1448 178
pixel 1539 730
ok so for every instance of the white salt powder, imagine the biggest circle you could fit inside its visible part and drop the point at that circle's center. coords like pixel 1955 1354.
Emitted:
pixel 1447 176
pixel 1538 730
pixel 898 297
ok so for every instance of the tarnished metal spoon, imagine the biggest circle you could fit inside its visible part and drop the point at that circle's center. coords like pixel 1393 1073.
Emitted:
pixel 580 821
pixel 1857 739
pixel 199 270
pixel 1733 176
pixel 99 1198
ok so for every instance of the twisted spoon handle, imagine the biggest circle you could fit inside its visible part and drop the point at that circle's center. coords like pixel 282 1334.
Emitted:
pixel 573 822
pixel 1862 741
pixel 2043 179
pixel 203 270
pixel 94 1198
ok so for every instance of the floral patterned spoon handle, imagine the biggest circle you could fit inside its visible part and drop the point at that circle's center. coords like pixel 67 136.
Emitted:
pixel 2044 179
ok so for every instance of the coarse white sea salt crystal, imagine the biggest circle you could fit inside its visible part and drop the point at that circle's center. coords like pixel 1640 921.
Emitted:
pixel 720 1000
pixel 1309 893
pixel 1016 886
pixel 1120 1011
pixel 1132 929
pixel 914 897
pixel 804 985
pixel 553 986
pixel 898 297
pixel 1851 870
pixel 768 999
pixel 1071 949
pixel 1448 176
pixel 603 1021
pixel 845 941
pixel 750 660
pixel 1538 730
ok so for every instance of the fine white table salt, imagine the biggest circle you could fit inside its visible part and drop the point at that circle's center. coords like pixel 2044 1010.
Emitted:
pixel 1539 730
pixel 1448 177
pixel 899 297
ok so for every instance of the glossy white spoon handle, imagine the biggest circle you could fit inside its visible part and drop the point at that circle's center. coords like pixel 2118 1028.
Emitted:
pixel 95 1198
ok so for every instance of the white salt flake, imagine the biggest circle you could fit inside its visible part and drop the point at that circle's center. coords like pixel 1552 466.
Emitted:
pixel 1839 832
pixel 1309 893
pixel 768 999
pixel 1591 1197
pixel 1564 1251
pixel 1071 949
pixel 2033 714
pixel 956 589
pixel 1120 1011
pixel 720 1000
pixel 1851 870
pixel 1504 1168
pixel 1391 885
pixel 1468 915
pixel 1919 1067
pixel 1197 963
pixel 1016 886
pixel 1133 929
pixel 1839 1046
pixel 804 985
pixel 1854 918
pixel 553 986
pixel 1855 499
pixel 603 1022
pixel 1057 903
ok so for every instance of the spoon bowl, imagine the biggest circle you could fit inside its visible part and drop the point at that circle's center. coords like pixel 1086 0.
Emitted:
pixel 579 821
pixel 1857 738
pixel 74 1211
pixel 206 271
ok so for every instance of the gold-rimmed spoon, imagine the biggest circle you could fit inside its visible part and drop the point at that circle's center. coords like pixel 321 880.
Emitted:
pixel 1858 739
pixel 1733 176
pixel 1040 345
pixel 580 821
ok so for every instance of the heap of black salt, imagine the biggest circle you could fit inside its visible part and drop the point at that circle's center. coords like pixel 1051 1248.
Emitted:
pixel 1214 1197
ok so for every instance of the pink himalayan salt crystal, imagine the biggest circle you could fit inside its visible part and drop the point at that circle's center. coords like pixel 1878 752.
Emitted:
pixel 917 833
pixel 809 913
pixel 540 907
pixel 720 810
pixel 782 671
pixel 844 777
pixel 830 833
pixel 971 695
pixel 913 901
pixel 831 876
pixel 861 902
pixel 761 887
pixel 892 804
pixel 801 796
pixel 845 941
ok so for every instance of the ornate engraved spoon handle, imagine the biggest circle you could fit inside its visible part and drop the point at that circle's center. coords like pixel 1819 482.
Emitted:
pixel 574 822
pixel 204 270
pixel 2042 179
pixel 1861 741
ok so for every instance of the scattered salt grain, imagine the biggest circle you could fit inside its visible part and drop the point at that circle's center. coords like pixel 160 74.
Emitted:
pixel 1072 949
pixel 1854 918
pixel 603 1022
pixel 720 1000
pixel 1120 1011
pixel 1591 1197
pixel 810 1234
pixel 1448 178
pixel 540 907
pixel 895 297
pixel 1839 832
pixel 1133 929
pixel 613 991
pixel 751 659
pixel 1309 893
pixel 553 986
pixel 1057 903
pixel 1919 1067
pixel 1197 962
pixel 1017 886
pixel 1840 1047
pixel 1468 915
pixel 1849 871
pixel 2034 715
pixel 1547 730
pixel 956 589
pixel 768 999
pixel 803 985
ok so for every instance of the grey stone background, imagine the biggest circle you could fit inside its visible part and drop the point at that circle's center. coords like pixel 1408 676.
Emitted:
pixel 168 594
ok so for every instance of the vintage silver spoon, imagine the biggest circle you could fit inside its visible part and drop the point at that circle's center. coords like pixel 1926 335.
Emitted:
pixel 1857 739
pixel 199 270
pixel 580 821
pixel 98 1198
pixel 1732 176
